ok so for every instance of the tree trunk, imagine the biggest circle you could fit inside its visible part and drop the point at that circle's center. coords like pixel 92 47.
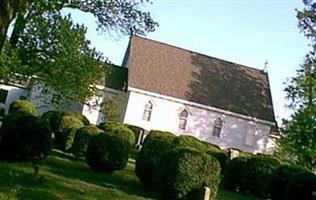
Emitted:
pixel 7 14
pixel 17 30
pixel 8 11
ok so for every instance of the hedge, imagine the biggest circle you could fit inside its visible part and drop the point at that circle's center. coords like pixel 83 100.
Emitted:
pixel 107 152
pixel 82 138
pixel 292 182
pixel 22 106
pixel 66 132
pixel 251 175
pixel 136 130
pixel 155 145
pixel 302 185
pixel 222 157
pixel 24 137
pixel 53 118
pixel 119 130
pixel 189 141
pixel 78 115
pixel 183 173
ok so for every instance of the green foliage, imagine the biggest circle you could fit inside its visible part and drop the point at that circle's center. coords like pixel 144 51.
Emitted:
pixel 108 152
pixel 52 47
pixel 136 130
pixel 24 137
pixel 53 118
pixel 9 62
pixel 233 175
pixel 2 112
pixel 189 141
pixel 299 138
pixel 45 43
pixel 78 115
pixel 185 172
pixel 82 138
pixel 118 129
pixel 221 156
pixel 112 107
pixel 281 179
pixel 251 175
pixel 22 106
pixel 67 130
pixel 211 147
pixel 298 142
pixel 154 147
pixel 302 185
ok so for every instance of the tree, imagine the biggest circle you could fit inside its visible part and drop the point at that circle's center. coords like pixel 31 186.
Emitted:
pixel 301 90
pixel 299 137
pixel 112 107
pixel 119 15
pixel 53 48
pixel 299 134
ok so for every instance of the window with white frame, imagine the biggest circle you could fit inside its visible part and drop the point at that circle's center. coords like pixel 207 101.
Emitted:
pixel 147 111
pixel 217 129
pixel 250 138
pixel 183 119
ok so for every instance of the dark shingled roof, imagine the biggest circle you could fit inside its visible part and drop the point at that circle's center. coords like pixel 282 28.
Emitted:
pixel 116 77
pixel 180 73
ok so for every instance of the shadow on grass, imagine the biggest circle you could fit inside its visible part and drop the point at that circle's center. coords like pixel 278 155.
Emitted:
pixel 124 180
pixel 65 179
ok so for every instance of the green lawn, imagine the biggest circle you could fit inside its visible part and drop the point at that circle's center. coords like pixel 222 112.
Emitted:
pixel 66 179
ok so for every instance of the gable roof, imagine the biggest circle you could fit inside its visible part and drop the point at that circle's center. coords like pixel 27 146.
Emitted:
pixel 183 74
pixel 115 77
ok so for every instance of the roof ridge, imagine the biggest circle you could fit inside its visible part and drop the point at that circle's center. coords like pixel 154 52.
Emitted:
pixel 188 50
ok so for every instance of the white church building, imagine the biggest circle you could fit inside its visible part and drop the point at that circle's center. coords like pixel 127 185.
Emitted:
pixel 172 89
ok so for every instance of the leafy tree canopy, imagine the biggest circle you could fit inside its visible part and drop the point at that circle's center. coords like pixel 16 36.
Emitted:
pixel 299 134
pixel 46 44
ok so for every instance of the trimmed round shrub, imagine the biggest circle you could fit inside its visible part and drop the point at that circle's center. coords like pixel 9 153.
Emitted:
pixel 82 138
pixel 108 152
pixel 189 141
pixel 251 175
pixel 136 130
pixel 155 145
pixel 53 118
pixel 302 185
pixel 281 179
pixel 185 172
pixel 221 156
pixel 119 130
pixel 233 175
pixel 79 116
pixel 67 130
pixel 211 147
pixel 24 137
pixel 22 106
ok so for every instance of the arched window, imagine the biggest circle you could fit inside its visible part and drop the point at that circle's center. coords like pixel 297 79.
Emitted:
pixel 147 111
pixel 250 138
pixel 183 118
pixel 217 127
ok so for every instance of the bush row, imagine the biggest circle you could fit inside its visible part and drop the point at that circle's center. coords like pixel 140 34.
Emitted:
pixel 64 125
pixel 178 167
pixel 109 150
pixel 24 137
pixel 264 177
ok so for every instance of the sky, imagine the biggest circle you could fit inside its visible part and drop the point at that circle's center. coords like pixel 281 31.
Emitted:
pixel 248 32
